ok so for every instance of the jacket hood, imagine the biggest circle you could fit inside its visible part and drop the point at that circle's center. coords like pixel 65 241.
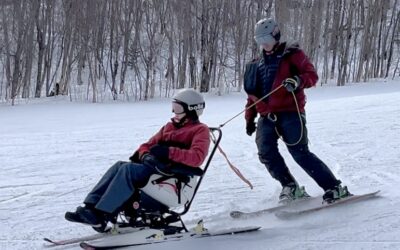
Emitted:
pixel 289 48
pixel 285 48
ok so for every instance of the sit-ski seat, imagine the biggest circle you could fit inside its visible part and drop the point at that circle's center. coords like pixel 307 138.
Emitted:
pixel 176 190
pixel 166 198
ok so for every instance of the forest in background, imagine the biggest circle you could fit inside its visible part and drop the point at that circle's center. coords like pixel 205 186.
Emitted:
pixel 138 49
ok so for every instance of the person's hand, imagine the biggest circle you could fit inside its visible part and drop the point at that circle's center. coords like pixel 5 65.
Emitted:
pixel 291 83
pixel 148 159
pixel 151 161
pixel 134 157
pixel 160 152
pixel 250 128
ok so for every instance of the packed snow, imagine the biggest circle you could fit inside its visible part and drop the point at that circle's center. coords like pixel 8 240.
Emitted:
pixel 52 152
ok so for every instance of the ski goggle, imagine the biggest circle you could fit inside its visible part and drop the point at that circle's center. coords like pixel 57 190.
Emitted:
pixel 177 108
pixel 264 40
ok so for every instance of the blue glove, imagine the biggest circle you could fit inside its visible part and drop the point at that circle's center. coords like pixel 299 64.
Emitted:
pixel 291 83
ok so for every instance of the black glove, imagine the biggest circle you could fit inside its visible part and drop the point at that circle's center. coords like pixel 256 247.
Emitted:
pixel 151 161
pixel 160 152
pixel 250 128
pixel 291 83
pixel 135 157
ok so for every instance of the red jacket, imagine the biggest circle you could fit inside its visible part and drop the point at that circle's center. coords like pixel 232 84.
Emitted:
pixel 188 145
pixel 293 62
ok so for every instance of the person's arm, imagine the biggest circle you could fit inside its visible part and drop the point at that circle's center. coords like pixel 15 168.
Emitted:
pixel 306 71
pixel 250 113
pixel 197 153
pixel 145 147
pixel 250 86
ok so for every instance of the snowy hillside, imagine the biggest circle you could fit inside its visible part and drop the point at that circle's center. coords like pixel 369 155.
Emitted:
pixel 53 152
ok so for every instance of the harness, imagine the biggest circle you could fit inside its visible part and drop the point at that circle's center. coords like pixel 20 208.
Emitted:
pixel 267 68
pixel 178 184
pixel 182 174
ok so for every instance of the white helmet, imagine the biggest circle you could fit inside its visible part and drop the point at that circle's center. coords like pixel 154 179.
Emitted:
pixel 266 31
pixel 191 100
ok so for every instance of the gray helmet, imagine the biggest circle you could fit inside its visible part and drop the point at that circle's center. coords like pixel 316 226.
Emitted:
pixel 266 31
pixel 191 100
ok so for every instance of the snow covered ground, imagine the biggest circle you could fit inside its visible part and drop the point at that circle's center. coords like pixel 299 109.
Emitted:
pixel 52 152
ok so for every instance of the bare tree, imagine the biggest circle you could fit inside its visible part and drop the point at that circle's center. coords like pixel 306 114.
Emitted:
pixel 395 37
pixel 143 48
pixel 345 47
pixel 15 45
pixel 131 14
pixel 67 45
pixel 150 46
pixel 115 45
pixel 210 20
pixel 51 44
pixel 40 40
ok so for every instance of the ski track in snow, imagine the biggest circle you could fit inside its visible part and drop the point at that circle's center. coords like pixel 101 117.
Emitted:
pixel 52 153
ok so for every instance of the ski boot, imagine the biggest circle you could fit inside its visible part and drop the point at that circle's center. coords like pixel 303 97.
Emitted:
pixel 336 193
pixel 292 192
pixel 89 217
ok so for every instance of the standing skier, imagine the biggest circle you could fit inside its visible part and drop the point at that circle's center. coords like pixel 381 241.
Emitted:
pixel 184 141
pixel 282 114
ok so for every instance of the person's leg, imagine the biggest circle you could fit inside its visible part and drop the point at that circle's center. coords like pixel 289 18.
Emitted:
pixel 128 177
pixel 267 144
pixel 99 189
pixel 290 128
pixel 314 167
pixel 110 193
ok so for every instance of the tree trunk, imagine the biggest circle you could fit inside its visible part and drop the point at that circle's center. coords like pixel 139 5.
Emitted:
pixel 345 53
pixel 392 40
pixel 41 50
pixel 336 33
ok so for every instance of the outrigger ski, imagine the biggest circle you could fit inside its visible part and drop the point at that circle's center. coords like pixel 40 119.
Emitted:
pixel 346 200
pixel 155 236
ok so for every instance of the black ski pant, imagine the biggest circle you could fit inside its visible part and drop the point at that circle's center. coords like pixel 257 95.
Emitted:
pixel 117 185
pixel 289 127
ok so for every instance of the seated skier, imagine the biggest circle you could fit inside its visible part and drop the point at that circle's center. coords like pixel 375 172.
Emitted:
pixel 182 142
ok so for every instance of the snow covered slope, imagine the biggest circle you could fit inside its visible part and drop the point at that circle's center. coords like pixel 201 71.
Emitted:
pixel 52 152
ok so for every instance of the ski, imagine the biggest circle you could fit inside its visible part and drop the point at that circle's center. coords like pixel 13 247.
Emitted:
pixel 153 236
pixel 76 240
pixel 353 198
pixel 244 215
